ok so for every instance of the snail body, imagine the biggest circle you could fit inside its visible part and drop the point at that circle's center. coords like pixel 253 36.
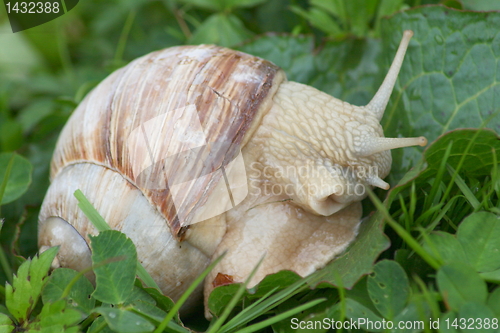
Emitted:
pixel 197 150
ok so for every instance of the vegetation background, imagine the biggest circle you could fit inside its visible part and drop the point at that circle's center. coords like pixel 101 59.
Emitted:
pixel 439 257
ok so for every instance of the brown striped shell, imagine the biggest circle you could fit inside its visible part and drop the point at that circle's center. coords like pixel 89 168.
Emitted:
pixel 128 145
pixel 209 95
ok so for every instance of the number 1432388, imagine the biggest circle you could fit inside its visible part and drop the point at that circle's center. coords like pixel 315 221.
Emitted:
pixel 472 323
pixel 33 7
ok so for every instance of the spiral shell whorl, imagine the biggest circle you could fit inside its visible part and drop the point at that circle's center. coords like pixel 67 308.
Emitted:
pixel 229 91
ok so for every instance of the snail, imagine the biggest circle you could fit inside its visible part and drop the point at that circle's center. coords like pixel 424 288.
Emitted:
pixel 192 151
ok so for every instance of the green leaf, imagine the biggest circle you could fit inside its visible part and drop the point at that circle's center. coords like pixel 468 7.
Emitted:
pixel 319 19
pixel 446 246
pixel 359 15
pixel 162 301
pixel 234 300
pixel 34 113
pixel 359 258
pixel 206 4
pixel 220 297
pixel 479 160
pixel 139 294
pixel 479 235
pixel 79 296
pixel 123 321
pixel 346 70
pixel 57 317
pixel 361 314
pixel 11 135
pixel 223 5
pixel 22 296
pixel 19 178
pixel 359 293
pixel 231 4
pixel 101 225
pixel 115 279
pixel 388 288
pixel 494 301
pixel 388 7
pixel 416 312
pixel 148 310
pixel 446 318
pixel 334 7
pixel 481 5
pixel 353 16
pixel 99 326
pixel 279 280
pixel 459 284
pixel 6 324
pixel 449 77
pixel 476 244
pixel 493 276
pixel 475 315
pixel 221 29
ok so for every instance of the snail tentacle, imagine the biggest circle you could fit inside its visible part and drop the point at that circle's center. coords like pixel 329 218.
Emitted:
pixel 379 101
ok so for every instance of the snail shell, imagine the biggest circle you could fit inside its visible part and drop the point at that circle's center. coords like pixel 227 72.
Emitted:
pixel 182 150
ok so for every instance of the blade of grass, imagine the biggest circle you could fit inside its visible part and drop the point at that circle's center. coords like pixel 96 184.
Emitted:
pixel 63 3
pixel 406 236
pixel 484 192
pixel 251 313
pixel 246 314
pixel 145 277
pixel 464 188
pixel 4 262
pixel 89 211
pixel 461 162
pixel 232 303
pixel 429 200
pixel 341 290
pixel 449 221
pixel 98 221
pixel 427 214
pixel 492 186
pixel 432 247
pixel 280 317
pixel 180 17
pixel 122 42
pixel 413 204
pixel 172 326
pixel 63 50
pixel 170 315
pixel 495 174
pixel 88 321
pixel 431 300
pixel 441 214
pixel 99 328
pixel 404 216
